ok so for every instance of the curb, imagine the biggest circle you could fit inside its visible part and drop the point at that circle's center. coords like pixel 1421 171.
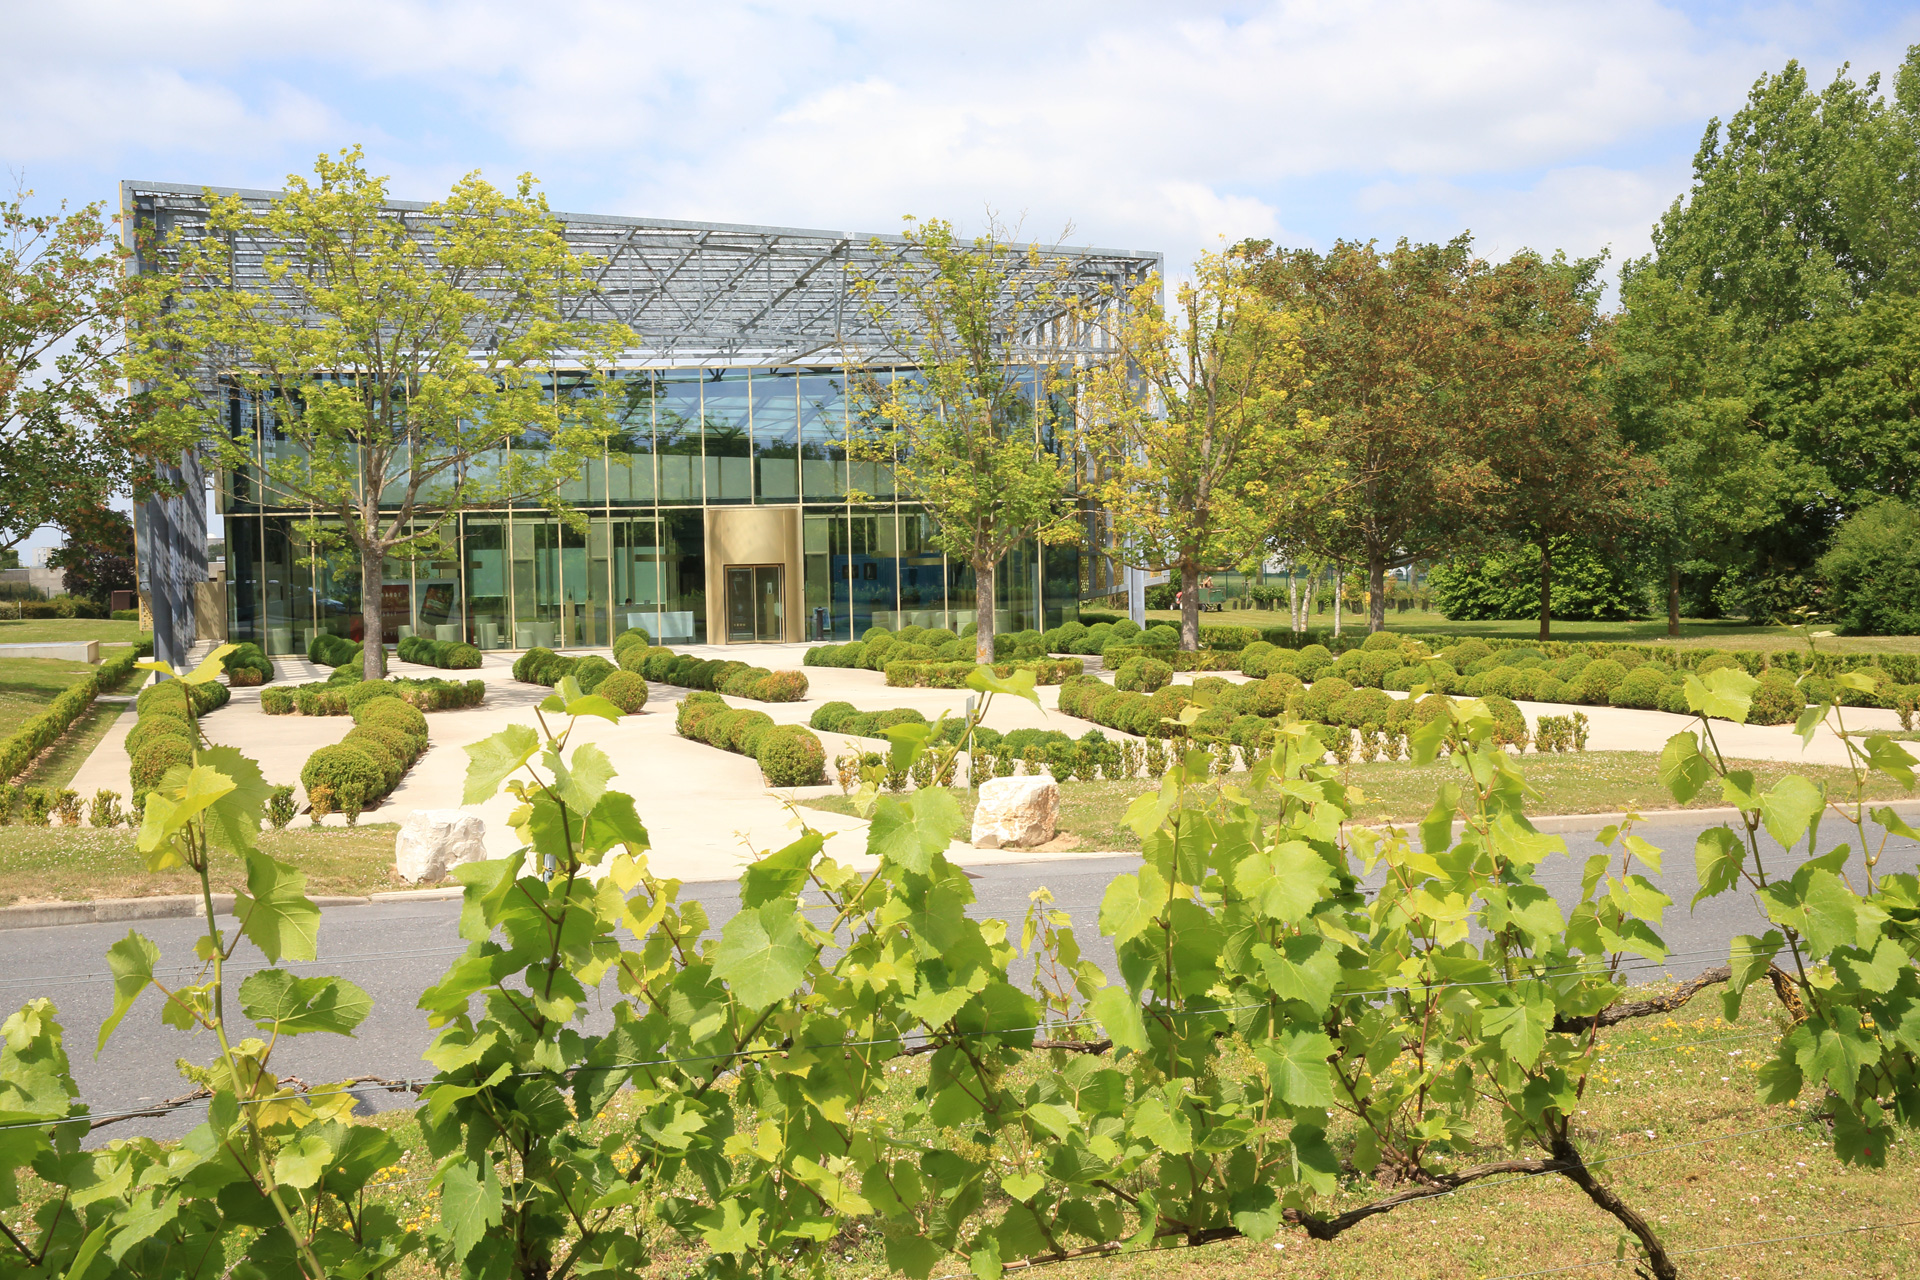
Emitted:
pixel 177 906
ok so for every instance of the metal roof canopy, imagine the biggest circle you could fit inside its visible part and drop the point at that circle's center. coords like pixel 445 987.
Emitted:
pixel 715 292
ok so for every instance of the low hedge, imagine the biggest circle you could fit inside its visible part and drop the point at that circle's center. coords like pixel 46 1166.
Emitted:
pixel 24 745
pixel 1143 675
pixel 364 767
pixel 329 650
pixel 338 697
pixel 62 606
pixel 247 666
pixel 631 638
pixel 953 675
pixel 789 755
pixel 714 675
pixel 844 717
pixel 448 655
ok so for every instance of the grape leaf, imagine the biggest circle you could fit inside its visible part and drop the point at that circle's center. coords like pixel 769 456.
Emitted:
pixel 275 912
pixel 131 961
pixel 762 956
pixel 490 760
pixel 287 1005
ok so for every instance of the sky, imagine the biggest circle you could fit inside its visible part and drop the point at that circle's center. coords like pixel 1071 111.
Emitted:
pixel 1531 124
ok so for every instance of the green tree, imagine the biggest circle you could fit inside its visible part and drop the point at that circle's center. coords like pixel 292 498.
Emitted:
pixel 976 433
pixel 1398 369
pixel 98 556
pixel 395 357
pixel 1561 470
pixel 66 430
pixel 1192 428
pixel 1872 571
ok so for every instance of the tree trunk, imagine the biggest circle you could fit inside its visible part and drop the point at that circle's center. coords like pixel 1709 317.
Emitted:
pixel 1189 605
pixel 1575 1170
pixel 1673 597
pixel 373 623
pixel 1293 601
pixel 1336 599
pixel 1546 589
pixel 983 611
pixel 1377 591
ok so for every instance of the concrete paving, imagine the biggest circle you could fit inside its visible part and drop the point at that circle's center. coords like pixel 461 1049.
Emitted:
pixel 709 811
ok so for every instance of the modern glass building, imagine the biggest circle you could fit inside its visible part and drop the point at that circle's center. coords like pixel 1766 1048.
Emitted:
pixel 722 512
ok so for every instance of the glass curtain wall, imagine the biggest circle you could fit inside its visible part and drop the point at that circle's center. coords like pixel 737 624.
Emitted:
pixel 685 438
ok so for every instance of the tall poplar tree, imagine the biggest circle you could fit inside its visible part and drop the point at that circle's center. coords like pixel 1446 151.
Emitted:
pixel 398 355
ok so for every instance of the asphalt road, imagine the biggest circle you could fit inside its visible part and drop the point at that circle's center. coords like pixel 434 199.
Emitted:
pixel 395 951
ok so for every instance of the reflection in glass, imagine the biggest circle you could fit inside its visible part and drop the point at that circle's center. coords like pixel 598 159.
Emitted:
pixel 630 462
pixel 875 479
pixel 824 570
pixel 923 573
pixel 536 584
pixel 484 557
pixel 636 575
pixel 776 436
pixel 676 434
pixel 1061 604
pixel 286 588
pixel 874 572
pixel 725 415
pixel 683 578
pixel 823 437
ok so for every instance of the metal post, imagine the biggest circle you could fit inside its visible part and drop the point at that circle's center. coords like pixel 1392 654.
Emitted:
pixel 970 703
pixel 1137 596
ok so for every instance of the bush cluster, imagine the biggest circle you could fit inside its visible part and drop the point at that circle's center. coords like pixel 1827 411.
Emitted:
pixel 448 655
pixel 1143 675
pixel 125 615
pixel 64 606
pixel 366 765
pixel 20 748
pixel 625 690
pixel 247 666
pixel 163 733
pixel 338 697
pixel 953 675
pixel 329 650
pixel 877 646
pixel 789 755
pixel 844 717
pixel 631 638
pixel 712 675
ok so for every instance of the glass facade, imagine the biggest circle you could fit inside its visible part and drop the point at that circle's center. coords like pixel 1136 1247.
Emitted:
pixel 688 439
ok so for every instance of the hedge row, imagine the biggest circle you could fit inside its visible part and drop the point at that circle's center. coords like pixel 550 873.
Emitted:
pixel 364 767
pixel 247 666
pixel 341 697
pixel 789 755
pixel 714 675
pixel 953 675
pixel 877 646
pixel 25 744
pixel 63 606
pixel 163 732
pixel 1472 667
pixel 329 650
pixel 448 655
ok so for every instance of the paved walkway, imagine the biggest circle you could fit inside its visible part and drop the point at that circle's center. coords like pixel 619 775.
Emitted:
pixel 707 810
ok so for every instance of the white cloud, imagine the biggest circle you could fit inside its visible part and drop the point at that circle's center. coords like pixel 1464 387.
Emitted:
pixel 1143 125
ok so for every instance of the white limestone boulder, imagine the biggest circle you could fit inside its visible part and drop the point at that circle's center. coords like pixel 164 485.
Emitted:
pixel 1016 813
pixel 434 841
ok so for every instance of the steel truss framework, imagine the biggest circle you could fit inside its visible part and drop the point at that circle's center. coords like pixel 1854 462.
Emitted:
pixel 706 293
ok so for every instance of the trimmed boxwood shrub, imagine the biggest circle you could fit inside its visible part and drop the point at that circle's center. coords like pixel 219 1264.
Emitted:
pixel 1640 688
pixel 791 757
pixel 953 675
pixel 1598 680
pixel 246 666
pixel 589 671
pixel 448 655
pixel 624 690
pixel 173 694
pixel 329 650
pixel 1509 725
pixel 352 774
pixel 1361 709
pixel 1143 675
pixel 366 691
pixel 150 728
pixel 151 762
pixel 278 701
pixel 395 715
pixel 1321 696
pixel 1777 701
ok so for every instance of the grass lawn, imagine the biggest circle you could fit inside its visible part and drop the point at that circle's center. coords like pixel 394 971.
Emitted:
pixel 74 864
pixel 57 767
pixel 1584 782
pixel 1660 1121
pixel 1695 633
pixel 27 685
pixel 48 630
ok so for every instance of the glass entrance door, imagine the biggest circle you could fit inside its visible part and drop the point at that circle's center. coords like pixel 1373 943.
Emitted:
pixel 756 604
